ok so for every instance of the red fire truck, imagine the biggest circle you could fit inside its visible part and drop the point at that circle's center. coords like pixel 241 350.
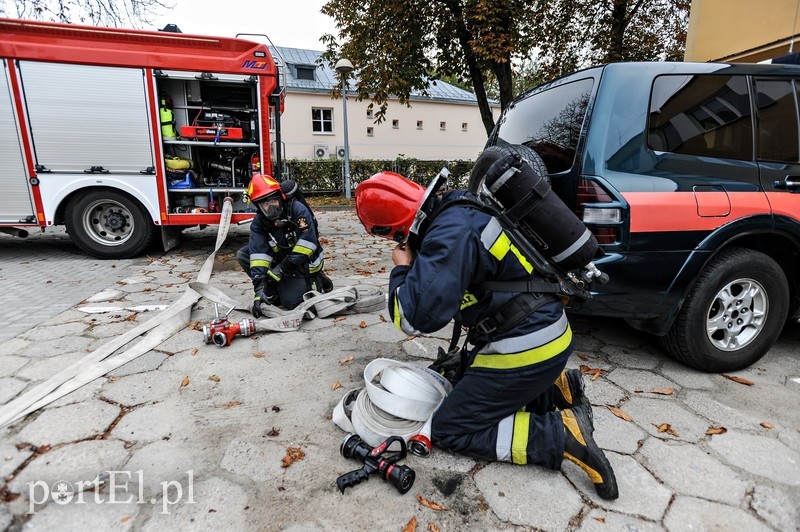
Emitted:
pixel 127 137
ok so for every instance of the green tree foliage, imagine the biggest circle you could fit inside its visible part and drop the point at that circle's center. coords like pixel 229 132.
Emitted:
pixel 402 46
pixel 116 13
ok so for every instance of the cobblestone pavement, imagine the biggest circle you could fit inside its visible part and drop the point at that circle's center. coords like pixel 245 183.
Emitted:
pixel 195 436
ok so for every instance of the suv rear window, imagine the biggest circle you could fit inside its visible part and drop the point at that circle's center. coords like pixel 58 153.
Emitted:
pixel 777 120
pixel 550 122
pixel 701 115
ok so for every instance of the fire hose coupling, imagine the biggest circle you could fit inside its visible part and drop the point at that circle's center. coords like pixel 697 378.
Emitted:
pixel 400 476
pixel 221 331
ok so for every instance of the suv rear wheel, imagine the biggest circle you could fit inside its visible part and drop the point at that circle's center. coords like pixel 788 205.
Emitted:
pixel 733 314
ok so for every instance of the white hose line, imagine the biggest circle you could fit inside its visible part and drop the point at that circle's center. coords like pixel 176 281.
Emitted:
pixel 401 403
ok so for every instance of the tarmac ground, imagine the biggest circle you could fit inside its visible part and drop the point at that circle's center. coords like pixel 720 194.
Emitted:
pixel 191 436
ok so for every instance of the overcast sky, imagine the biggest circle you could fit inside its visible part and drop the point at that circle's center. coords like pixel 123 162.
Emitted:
pixel 291 23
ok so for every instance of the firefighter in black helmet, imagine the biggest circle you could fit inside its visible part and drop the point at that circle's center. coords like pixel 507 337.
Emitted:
pixel 514 401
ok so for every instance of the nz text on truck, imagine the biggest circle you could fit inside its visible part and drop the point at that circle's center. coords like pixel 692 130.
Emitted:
pixel 128 137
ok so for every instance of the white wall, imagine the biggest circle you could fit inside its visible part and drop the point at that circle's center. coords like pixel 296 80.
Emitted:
pixel 387 142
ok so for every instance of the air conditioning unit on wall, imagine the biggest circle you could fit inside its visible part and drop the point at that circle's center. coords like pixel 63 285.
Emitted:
pixel 340 152
pixel 321 151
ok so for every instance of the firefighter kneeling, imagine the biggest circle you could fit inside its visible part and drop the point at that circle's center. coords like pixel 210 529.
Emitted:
pixel 514 402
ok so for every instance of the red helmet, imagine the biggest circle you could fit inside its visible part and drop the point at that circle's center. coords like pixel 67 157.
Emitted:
pixel 262 190
pixel 386 204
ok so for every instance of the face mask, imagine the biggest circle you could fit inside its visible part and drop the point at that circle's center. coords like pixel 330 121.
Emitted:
pixel 272 208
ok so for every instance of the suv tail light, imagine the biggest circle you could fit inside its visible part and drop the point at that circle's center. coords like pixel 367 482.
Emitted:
pixel 602 220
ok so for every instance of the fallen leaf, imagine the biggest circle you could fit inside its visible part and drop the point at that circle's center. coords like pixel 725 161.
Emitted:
pixel 231 403
pixel 363 324
pixel 259 355
pixel 619 413
pixel 113 379
pixel 214 378
pixel 432 527
pixel 662 391
pixel 583 357
pixel 411 526
pixel 194 351
pixel 483 505
pixel 345 360
pixel 600 519
pixel 716 430
pixel 638 390
pixel 274 432
pixel 431 505
pixel 293 454
pixel 132 317
pixel 740 380
pixel 336 385
pixel 340 318
pixel 382 318
pixel 767 425
pixel 595 373
pixel 195 326
pixel 185 382
pixel 125 519
pixel 666 427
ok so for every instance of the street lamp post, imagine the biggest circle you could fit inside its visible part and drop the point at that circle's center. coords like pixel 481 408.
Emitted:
pixel 344 67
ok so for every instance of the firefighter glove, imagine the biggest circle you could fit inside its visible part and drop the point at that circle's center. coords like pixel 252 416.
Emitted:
pixel 259 299
pixel 278 272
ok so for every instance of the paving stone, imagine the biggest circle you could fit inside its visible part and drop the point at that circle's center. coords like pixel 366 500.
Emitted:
pixel 86 392
pixel 627 357
pixel 52 332
pixel 142 388
pixel 153 422
pixel 43 368
pixel 5 518
pixel 649 414
pixel 688 513
pixel 105 331
pixel 165 461
pixel 55 346
pixel 777 507
pixel 603 521
pixel 759 455
pixel 10 459
pixel 69 423
pixel 690 471
pixel 646 381
pixel 10 364
pixel 615 434
pixel 603 392
pixel 13 346
pixel 687 377
pixel 77 462
pixel 509 489
pixel 217 505
pixel 424 347
pixel 639 493
pixel 182 340
pixel 89 515
pixel 251 460
pixel 109 294
pixel 10 388
pixel 385 332
pixel 705 404
pixel 149 361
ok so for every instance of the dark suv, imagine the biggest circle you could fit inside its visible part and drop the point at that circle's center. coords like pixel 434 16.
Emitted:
pixel 688 175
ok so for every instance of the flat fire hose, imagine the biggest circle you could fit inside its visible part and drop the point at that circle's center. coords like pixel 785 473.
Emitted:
pixel 164 325
pixel 398 399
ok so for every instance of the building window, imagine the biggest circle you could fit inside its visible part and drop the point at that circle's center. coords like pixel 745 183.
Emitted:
pixel 306 73
pixel 442 125
pixel 464 126
pixel 321 120
pixel 396 124
pixel 370 132
pixel 369 114
pixel 272 119
pixel 419 124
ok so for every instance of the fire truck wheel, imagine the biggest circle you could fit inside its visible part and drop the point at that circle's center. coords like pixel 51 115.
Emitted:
pixel 108 224
pixel 481 166
pixel 733 314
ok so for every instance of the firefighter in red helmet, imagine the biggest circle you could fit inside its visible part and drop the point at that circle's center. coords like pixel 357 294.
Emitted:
pixel 283 256
pixel 512 400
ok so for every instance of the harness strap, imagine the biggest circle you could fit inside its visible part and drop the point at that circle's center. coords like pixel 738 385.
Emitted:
pixel 513 312
pixel 536 285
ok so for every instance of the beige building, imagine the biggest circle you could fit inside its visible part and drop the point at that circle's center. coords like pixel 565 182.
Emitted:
pixel 742 31
pixel 445 125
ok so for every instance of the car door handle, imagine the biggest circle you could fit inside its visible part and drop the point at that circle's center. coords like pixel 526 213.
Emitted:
pixel 791 182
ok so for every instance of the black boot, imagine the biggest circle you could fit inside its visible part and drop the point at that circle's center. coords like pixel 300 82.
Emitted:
pixel 580 448
pixel 325 282
pixel 569 389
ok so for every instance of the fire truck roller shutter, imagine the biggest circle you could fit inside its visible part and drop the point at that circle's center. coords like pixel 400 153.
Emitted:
pixel 15 201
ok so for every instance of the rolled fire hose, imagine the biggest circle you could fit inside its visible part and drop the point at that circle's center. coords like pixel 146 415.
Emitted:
pixel 161 327
pixel 401 403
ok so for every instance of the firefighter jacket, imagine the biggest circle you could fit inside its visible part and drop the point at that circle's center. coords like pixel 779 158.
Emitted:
pixel 462 248
pixel 291 242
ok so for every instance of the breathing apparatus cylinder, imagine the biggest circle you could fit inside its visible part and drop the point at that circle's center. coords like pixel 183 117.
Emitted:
pixel 546 221
pixel 167 118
